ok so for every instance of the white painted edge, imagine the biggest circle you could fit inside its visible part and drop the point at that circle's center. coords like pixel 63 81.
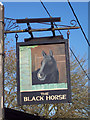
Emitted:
pixel 43 89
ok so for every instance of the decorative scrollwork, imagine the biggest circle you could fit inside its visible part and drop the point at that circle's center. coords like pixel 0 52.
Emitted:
pixel 73 23
pixel 10 24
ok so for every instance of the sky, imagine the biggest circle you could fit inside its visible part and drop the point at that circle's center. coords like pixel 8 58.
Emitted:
pixel 22 10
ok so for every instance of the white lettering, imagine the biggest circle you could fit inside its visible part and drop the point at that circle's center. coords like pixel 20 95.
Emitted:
pixel 41 98
pixel 56 97
pixel 38 98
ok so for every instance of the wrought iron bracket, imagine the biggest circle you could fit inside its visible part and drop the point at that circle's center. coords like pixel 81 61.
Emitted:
pixel 29 28
pixel 12 24
pixel 52 26
pixel 68 33
pixel 16 36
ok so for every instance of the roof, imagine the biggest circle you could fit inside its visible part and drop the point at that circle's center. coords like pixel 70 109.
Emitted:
pixel 11 114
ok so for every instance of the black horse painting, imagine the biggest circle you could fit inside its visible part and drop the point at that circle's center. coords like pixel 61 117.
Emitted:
pixel 48 73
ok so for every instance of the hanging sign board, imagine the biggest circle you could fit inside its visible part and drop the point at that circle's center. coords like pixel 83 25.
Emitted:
pixel 43 71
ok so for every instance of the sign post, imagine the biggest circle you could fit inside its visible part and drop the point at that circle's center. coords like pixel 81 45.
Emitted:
pixel 1 59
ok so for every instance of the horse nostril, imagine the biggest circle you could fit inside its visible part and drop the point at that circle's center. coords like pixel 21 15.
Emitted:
pixel 41 74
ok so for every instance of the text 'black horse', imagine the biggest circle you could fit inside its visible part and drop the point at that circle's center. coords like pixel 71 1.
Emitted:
pixel 48 73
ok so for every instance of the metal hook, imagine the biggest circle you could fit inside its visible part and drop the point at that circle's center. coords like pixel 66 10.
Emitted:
pixel 68 33
pixel 16 36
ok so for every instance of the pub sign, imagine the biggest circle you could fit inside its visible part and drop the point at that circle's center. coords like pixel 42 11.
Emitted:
pixel 43 71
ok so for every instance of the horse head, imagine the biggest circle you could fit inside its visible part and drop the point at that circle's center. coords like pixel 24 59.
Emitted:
pixel 48 66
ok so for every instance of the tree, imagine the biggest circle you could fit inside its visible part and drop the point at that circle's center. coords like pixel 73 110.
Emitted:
pixel 77 109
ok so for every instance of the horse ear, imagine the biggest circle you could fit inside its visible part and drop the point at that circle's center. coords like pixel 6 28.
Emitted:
pixel 50 53
pixel 44 54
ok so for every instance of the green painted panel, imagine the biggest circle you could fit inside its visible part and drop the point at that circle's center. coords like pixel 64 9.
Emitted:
pixel 25 68
pixel 49 86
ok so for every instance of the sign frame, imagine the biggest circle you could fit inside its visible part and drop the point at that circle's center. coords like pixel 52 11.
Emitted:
pixel 50 93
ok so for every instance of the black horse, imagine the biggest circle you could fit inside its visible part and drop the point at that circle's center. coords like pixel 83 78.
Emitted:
pixel 48 73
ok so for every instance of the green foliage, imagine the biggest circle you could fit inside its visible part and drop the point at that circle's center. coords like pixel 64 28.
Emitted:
pixel 77 109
